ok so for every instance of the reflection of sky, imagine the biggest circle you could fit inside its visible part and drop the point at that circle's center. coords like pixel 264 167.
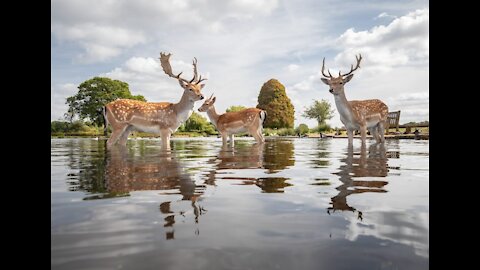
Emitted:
pixel 244 225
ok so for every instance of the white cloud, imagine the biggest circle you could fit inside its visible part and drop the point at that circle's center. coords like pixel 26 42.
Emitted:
pixel 104 29
pixel 292 67
pixel 403 41
pixel 58 96
pixel 100 42
pixel 385 15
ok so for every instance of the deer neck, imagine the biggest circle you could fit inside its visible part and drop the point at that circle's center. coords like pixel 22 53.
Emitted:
pixel 184 107
pixel 213 115
pixel 344 108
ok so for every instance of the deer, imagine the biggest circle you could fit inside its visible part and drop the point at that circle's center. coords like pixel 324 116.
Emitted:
pixel 164 118
pixel 360 115
pixel 358 165
pixel 248 120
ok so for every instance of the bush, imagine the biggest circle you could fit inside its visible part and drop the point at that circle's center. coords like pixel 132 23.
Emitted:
pixel 324 128
pixel 302 129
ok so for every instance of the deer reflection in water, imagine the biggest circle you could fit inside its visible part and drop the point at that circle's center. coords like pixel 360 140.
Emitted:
pixel 161 171
pixel 360 165
pixel 275 157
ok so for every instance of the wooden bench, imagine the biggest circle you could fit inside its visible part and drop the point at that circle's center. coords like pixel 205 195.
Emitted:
pixel 392 121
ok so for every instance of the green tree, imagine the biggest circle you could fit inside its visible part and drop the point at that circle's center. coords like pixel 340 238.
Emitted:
pixel 198 123
pixel 93 95
pixel 302 129
pixel 273 98
pixel 320 111
pixel 65 127
pixel 236 108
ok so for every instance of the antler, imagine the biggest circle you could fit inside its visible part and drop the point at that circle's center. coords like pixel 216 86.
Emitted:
pixel 359 58
pixel 167 68
pixel 323 69
pixel 195 72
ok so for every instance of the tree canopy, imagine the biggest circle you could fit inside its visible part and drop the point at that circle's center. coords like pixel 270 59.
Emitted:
pixel 198 123
pixel 273 98
pixel 320 111
pixel 93 95
pixel 302 129
pixel 235 108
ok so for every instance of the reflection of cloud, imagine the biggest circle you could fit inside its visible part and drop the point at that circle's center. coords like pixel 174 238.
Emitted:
pixel 408 228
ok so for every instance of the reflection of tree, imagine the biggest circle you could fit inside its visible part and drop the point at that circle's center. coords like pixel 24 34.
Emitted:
pixel 270 184
pixel 360 165
pixel 88 157
pixel 161 171
pixel 134 168
pixel 322 159
pixel 253 156
pixel 278 155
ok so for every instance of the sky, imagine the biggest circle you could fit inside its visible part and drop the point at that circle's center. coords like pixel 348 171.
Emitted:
pixel 241 44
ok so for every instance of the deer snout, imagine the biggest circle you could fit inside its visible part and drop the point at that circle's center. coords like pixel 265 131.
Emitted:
pixel 201 97
pixel 331 90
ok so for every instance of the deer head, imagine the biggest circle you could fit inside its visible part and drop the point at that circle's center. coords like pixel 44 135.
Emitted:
pixel 207 104
pixel 191 88
pixel 337 83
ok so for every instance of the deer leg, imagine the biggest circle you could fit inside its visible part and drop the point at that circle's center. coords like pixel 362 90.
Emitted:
pixel 116 133
pixel 350 136
pixel 224 139
pixel 255 135
pixel 374 132
pixel 381 130
pixel 232 141
pixel 165 135
pixel 123 139
pixel 260 135
pixel 363 133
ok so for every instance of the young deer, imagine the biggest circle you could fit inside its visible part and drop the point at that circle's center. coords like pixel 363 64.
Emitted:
pixel 125 115
pixel 360 115
pixel 248 120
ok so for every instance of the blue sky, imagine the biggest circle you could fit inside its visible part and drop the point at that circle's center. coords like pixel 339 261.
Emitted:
pixel 241 44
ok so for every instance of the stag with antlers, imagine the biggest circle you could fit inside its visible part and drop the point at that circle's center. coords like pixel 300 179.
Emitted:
pixel 360 115
pixel 125 115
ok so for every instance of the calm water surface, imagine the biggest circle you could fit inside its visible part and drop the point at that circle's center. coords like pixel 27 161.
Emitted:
pixel 290 204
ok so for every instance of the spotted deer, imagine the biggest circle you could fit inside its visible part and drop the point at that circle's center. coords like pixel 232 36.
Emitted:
pixel 360 115
pixel 164 118
pixel 248 120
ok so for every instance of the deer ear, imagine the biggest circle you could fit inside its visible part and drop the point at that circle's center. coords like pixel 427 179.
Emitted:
pixel 213 99
pixel 202 85
pixel 182 84
pixel 348 78
pixel 325 81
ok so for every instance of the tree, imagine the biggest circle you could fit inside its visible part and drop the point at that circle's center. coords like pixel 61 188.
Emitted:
pixel 235 108
pixel 198 123
pixel 273 98
pixel 320 111
pixel 93 95
pixel 302 129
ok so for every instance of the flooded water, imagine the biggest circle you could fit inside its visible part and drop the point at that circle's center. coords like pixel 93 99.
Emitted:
pixel 289 204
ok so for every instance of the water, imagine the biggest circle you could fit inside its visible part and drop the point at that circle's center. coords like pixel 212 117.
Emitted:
pixel 290 204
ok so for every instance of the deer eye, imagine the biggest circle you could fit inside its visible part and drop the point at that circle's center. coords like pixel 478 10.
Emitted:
pixel 190 89
pixel 341 82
